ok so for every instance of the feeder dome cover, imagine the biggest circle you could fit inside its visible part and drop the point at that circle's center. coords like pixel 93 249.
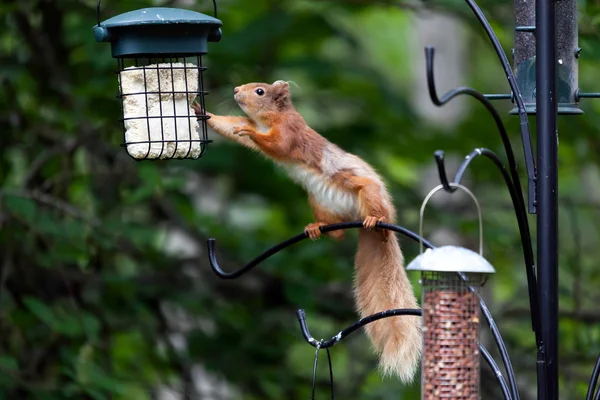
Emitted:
pixel 451 259
pixel 159 30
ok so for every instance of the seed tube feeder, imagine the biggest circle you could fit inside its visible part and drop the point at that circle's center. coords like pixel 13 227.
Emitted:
pixel 450 279
pixel 159 57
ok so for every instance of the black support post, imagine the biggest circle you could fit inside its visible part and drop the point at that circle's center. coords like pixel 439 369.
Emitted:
pixel 547 192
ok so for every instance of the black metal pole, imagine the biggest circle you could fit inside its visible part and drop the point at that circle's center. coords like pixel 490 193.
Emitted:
pixel 547 193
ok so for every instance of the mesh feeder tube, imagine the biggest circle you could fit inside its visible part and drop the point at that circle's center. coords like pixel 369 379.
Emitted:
pixel 450 278
pixel 160 75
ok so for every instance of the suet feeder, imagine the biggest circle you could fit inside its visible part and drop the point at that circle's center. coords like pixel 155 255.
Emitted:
pixel 159 56
pixel 450 279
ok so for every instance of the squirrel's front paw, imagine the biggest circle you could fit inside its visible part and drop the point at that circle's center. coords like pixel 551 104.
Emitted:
pixel 243 131
pixel 199 110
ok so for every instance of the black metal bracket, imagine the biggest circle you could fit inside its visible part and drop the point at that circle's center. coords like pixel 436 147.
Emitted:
pixel 530 29
pixel 499 96
pixel 579 95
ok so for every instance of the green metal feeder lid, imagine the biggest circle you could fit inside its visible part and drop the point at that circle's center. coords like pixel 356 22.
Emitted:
pixel 159 31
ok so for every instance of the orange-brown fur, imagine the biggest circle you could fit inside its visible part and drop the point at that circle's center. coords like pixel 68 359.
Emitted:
pixel 341 187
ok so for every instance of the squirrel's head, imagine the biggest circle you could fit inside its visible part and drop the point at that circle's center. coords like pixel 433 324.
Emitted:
pixel 260 99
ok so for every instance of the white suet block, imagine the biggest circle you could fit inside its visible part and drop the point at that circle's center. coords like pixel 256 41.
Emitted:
pixel 175 109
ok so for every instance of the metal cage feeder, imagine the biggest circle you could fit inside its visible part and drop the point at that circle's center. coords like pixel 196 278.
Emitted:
pixel 450 279
pixel 160 76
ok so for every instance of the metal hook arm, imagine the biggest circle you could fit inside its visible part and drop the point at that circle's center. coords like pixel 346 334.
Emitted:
pixel 301 315
pixel 494 366
pixel 521 215
pixel 295 239
pixel 512 81
pixel 528 254
pixel 512 183
pixel 358 224
pixel 594 382
pixel 439 160
pixel 429 57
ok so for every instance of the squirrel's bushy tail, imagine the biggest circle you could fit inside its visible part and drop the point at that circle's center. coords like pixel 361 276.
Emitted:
pixel 382 284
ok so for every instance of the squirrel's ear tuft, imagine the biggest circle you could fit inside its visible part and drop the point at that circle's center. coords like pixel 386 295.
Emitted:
pixel 282 94
pixel 283 84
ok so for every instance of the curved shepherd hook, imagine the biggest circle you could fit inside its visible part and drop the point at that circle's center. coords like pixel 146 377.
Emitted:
pixel 512 182
pixel 512 81
pixel 521 215
pixel 326 344
pixel 512 164
pixel 358 224
pixel 295 239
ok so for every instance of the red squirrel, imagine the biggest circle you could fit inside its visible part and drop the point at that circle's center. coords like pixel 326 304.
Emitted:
pixel 341 187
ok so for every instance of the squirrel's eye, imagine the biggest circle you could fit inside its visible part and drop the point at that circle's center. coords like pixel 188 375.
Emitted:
pixel 259 92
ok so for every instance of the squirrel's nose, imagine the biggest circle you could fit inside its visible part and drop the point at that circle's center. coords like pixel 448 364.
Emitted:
pixel 236 90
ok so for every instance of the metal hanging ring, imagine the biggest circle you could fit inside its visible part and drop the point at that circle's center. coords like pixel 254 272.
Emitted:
pixel 99 1
pixel 434 191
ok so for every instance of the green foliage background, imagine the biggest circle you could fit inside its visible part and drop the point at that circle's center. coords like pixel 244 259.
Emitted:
pixel 91 282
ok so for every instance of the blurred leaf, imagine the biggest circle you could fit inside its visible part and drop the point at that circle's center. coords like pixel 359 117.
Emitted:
pixel 22 207
pixel 40 310
pixel 8 363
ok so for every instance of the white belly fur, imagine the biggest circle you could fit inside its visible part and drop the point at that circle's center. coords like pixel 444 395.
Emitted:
pixel 330 197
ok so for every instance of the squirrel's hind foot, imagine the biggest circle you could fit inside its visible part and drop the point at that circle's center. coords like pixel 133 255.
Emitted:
pixel 313 230
pixel 370 222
